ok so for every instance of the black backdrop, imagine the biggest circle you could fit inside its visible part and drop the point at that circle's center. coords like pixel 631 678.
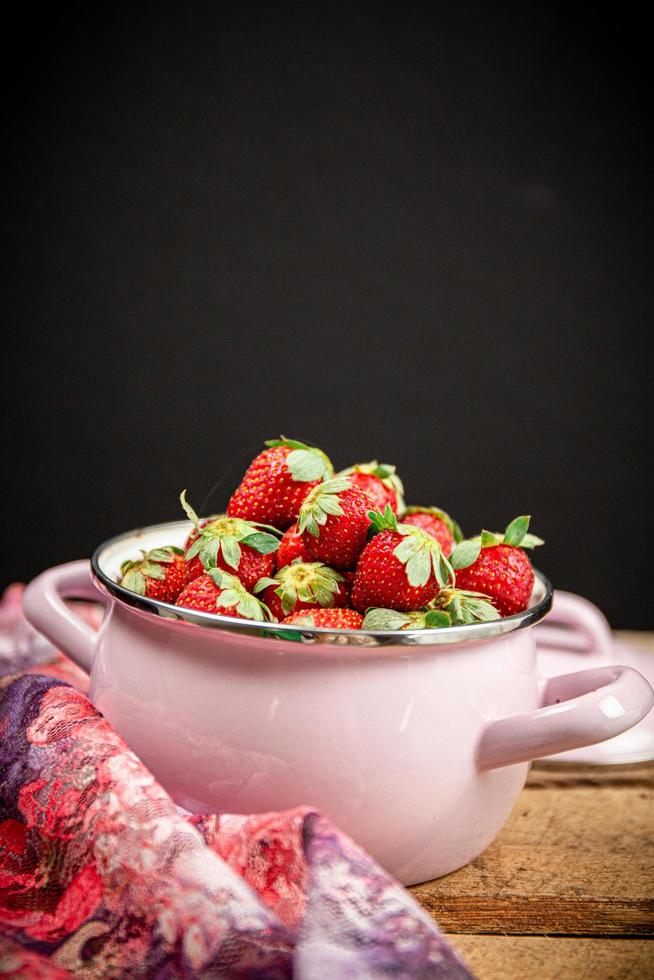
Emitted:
pixel 416 232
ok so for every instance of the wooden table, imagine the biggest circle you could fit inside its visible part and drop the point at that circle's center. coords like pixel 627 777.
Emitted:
pixel 567 889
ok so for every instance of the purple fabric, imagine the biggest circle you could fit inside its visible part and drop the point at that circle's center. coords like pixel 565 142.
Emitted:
pixel 101 875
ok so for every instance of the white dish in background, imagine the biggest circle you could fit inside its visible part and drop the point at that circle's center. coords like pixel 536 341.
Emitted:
pixel 575 636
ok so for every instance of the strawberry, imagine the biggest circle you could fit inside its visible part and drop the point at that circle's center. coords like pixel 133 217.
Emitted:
pixel 231 544
pixel 277 481
pixel 302 585
pixel 291 548
pixel 160 574
pixel 451 607
pixel 334 522
pixel 380 482
pixel 436 522
pixel 221 593
pixel 497 565
pixel 333 619
pixel 194 567
pixel 401 567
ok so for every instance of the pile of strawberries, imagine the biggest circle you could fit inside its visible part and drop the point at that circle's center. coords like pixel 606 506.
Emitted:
pixel 304 547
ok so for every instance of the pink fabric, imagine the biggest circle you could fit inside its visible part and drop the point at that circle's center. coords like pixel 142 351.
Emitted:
pixel 101 875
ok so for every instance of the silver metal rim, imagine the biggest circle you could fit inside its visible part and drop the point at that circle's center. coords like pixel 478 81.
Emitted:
pixel 541 605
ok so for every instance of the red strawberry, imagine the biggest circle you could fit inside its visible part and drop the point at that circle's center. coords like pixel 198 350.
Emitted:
pixel 436 522
pixel 194 567
pixel 400 568
pixel 222 594
pixel 302 585
pixel 236 546
pixel 292 548
pixel 380 482
pixel 159 574
pixel 333 619
pixel 334 522
pixel 451 607
pixel 497 565
pixel 277 481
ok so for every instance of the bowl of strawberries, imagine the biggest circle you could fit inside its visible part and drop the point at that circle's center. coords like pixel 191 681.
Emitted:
pixel 321 643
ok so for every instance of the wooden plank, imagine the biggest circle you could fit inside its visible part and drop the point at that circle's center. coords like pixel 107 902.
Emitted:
pixel 542 915
pixel 549 775
pixel 575 857
pixel 519 958
pixel 640 637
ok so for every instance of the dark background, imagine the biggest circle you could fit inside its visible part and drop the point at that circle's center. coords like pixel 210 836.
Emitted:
pixel 406 231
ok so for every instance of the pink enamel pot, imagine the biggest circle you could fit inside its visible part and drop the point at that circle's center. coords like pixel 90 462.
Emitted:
pixel 415 743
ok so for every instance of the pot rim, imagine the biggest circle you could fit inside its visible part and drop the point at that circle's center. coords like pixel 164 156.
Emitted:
pixel 154 608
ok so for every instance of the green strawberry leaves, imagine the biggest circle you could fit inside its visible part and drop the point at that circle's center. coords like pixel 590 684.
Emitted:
pixel 289 443
pixel 234 595
pixel 515 536
pixel 386 619
pixel 153 571
pixel 263 583
pixel 382 521
pixel 464 607
pixel 226 534
pixel 134 580
pixel 311 582
pixel 188 510
pixel 135 573
pixel 389 619
pixel 451 607
pixel 265 544
pixel 413 553
pixel 516 530
pixel 230 548
pixel 436 619
pixel 305 463
pixel 166 555
pixel 488 539
pixel 531 541
pixel 421 553
pixel 466 553
pixel 321 503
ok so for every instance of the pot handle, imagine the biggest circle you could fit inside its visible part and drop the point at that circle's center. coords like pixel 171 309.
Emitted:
pixel 45 609
pixel 588 632
pixel 579 709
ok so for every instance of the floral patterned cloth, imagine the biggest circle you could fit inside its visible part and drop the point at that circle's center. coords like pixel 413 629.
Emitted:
pixel 101 875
